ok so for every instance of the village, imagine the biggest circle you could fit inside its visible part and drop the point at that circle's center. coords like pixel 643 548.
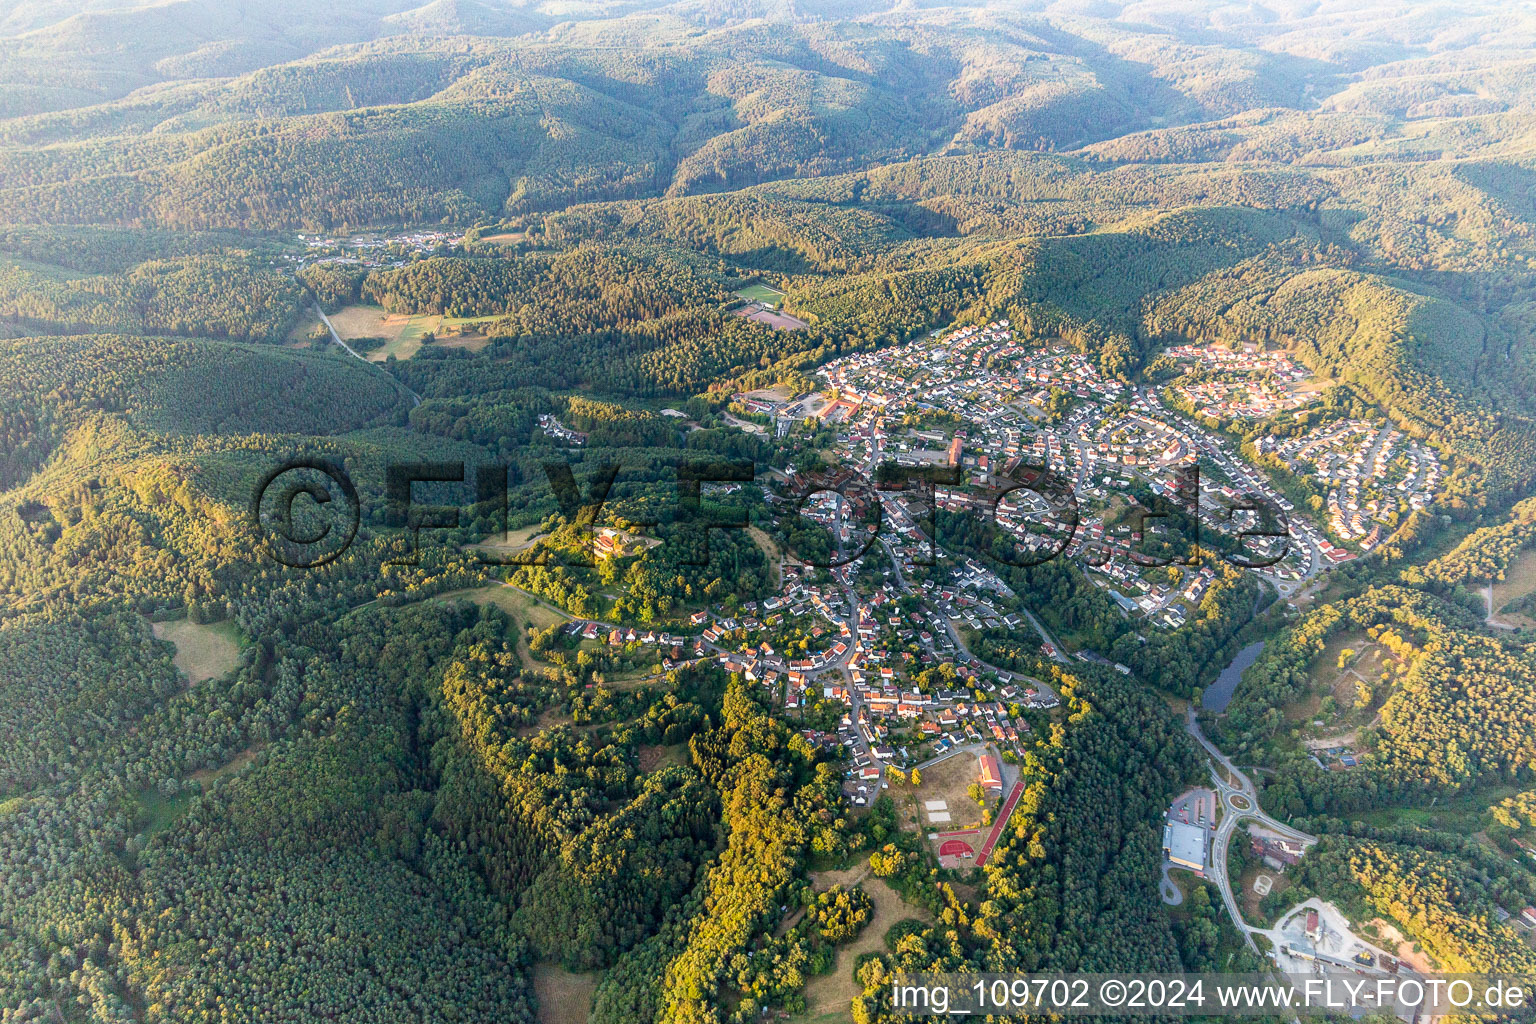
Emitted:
pixel 978 401
pixel 375 251
pixel 1371 472
pixel 873 653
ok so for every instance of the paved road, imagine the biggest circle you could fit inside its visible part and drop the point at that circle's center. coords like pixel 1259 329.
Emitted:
pixel 964 748
pixel 415 398
pixel 1057 654
pixel 1240 803
pixel 1168 889
pixel 1490 620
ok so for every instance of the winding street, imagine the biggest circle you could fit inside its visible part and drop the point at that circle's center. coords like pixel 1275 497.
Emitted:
pixel 415 398
pixel 1239 803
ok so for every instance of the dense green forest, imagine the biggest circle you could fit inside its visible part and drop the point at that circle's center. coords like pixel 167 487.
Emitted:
pixel 396 787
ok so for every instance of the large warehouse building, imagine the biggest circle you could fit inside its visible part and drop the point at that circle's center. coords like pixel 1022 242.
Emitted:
pixel 1184 845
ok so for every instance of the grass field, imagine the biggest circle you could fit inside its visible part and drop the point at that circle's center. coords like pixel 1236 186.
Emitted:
pixel 564 998
pixel 525 609
pixel 770 551
pixel 828 996
pixel 947 781
pixel 1465 813
pixel 202 651
pixel 653 758
pixel 1518 581
pixel 1342 684
pixel 760 293
pixel 508 543
pixel 520 604
pixel 158 812
pixel 403 333
pixel 1249 900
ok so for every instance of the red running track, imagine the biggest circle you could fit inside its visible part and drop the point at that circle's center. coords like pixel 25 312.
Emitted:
pixel 1002 819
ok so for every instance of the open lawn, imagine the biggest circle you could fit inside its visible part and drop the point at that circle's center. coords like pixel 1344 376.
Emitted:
pixel 828 995
pixel 564 998
pixel 202 651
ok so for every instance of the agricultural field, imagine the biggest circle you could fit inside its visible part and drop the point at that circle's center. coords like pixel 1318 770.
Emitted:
pixel 403 334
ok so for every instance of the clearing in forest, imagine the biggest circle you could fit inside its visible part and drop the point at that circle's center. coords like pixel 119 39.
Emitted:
pixel 239 762
pixel 1365 664
pixel 763 293
pixel 510 542
pixel 773 318
pixel 1519 580
pixel 518 603
pixel 653 758
pixel 403 333
pixel 564 997
pixel 203 651
pixel 525 609
pixel 834 992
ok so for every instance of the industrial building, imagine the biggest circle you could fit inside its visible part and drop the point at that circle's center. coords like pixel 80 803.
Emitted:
pixel 1184 845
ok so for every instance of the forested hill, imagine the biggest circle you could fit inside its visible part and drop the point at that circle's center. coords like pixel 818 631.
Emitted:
pixel 436 120
pixel 1353 185
pixel 402 784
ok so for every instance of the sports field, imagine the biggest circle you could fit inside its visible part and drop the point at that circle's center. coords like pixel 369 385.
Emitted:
pixel 760 293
